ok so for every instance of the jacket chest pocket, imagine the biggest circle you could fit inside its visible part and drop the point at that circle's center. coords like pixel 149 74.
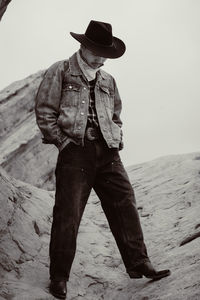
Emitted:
pixel 70 94
pixel 108 97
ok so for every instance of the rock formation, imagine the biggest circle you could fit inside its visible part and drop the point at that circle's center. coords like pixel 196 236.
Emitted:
pixel 21 149
pixel 167 191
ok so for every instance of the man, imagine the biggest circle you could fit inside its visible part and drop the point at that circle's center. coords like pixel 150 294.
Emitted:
pixel 78 109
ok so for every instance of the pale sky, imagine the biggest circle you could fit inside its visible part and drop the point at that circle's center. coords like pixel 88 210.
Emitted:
pixel 158 77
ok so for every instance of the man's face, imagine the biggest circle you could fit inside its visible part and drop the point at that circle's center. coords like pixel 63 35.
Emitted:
pixel 94 61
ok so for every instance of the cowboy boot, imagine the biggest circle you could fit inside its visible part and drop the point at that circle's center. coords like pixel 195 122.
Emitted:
pixel 146 269
pixel 58 289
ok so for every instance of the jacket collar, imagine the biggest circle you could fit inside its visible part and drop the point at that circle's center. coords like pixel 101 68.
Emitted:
pixel 74 66
pixel 76 70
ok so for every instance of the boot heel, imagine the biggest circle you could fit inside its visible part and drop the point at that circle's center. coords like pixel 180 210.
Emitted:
pixel 135 275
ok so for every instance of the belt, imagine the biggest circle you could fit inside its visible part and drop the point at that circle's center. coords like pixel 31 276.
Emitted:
pixel 92 133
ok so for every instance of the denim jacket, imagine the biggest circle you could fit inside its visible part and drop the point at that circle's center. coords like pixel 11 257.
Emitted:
pixel 62 105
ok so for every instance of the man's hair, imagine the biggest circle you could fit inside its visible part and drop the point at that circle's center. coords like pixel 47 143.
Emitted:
pixel 82 47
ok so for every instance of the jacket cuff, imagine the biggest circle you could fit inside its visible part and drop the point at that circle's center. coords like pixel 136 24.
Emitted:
pixel 65 143
pixel 62 139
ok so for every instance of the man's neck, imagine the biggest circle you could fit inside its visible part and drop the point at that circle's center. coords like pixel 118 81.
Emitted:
pixel 88 71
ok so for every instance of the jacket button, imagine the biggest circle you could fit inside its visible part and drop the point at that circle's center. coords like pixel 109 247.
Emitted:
pixel 82 113
pixel 83 101
pixel 70 87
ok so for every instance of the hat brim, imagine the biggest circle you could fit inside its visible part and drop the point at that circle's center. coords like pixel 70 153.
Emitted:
pixel 116 50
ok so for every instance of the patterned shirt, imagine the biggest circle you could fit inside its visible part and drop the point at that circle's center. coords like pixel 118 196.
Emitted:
pixel 92 114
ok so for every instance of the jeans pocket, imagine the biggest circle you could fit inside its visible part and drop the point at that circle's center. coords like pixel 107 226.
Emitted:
pixel 67 148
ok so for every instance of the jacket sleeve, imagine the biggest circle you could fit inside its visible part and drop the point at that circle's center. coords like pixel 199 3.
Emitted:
pixel 47 106
pixel 117 106
pixel 117 111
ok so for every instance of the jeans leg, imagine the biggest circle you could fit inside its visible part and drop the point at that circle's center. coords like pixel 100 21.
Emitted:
pixel 113 187
pixel 73 186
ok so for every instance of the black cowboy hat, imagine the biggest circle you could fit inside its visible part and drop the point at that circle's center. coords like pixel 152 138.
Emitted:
pixel 98 38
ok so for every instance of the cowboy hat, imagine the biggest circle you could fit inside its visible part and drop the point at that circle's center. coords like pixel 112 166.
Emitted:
pixel 98 38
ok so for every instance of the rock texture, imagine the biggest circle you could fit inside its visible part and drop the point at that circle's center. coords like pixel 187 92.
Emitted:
pixel 21 149
pixel 167 191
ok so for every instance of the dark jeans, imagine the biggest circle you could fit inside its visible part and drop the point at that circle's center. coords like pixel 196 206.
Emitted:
pixel 78 170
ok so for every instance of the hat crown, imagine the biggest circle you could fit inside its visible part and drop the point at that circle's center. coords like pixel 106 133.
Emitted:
pixel 99 39
pixel 100 33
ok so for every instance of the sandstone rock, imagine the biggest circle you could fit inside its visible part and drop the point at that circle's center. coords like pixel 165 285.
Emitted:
pixel 17 103
pixel 21 149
